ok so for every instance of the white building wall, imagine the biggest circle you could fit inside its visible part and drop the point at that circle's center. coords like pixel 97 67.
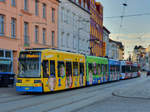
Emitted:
pixel 74 28
pixel 106 39
pixel 113 51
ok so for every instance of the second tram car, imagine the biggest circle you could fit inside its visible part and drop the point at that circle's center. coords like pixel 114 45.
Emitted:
pixel 97 70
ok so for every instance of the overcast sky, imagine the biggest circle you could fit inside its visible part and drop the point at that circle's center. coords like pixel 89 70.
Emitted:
pixel 134 30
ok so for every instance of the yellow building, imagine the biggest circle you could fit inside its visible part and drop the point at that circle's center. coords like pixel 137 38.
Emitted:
pixel 96 28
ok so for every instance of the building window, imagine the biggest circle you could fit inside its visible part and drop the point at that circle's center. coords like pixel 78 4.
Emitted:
pixel 74 47
pixel 67 16
pixel 53 39
pixel 36 7
pixel 36 34
pixel 2 0
pixel 53 15
pixel 44 10
pixel 67 40
pixel 62 14
pixel 13 28
pixel 13 3
pixel 62 38
pixel 44 36
pixel 26 33
pixel 1 25
pixel 26 5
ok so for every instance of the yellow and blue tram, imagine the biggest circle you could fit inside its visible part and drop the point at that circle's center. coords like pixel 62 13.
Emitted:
pixel 46 70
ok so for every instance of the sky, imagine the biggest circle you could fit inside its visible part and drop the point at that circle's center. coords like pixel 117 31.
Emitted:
pixel 135 30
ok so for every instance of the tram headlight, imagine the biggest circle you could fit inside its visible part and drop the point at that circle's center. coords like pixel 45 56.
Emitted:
pixel 19 81
pixel 37 81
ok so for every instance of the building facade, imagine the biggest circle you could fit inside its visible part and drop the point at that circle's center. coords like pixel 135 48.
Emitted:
pixel 121 51
pixel 113 50
pixel 74 26
pixel 96 28
pixel 106 33
pixel 140 55
pixel 27 24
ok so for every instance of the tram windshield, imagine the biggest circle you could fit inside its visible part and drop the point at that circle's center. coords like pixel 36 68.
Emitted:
pixel 29 66
pixel 5 66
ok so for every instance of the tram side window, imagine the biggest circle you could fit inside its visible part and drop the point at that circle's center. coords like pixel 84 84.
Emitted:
pixel 119 68
pixel 95 68
pixel 113 68
pixel 99 69
pixel 123 69
pixel 68 68
pixel 106 68
pixel 110 68
pixel 75 69
pixel 45 69
pixel 90 68
pixel 102 68
pixel 52 68
pixel 61 69
pixel 128 69
pixel 82 69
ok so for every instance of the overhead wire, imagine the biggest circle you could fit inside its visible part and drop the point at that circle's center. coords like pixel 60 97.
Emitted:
pixel 122 17
pixel 125 16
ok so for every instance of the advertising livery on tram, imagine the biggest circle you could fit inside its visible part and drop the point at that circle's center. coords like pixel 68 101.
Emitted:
pixel 46 70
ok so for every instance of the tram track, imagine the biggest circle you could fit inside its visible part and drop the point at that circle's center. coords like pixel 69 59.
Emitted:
pixel 63 96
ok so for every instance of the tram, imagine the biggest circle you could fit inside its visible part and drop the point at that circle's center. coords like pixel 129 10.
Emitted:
pixel 114 70
pixel 46 70
pixel 97 70
pixel 50 70
pixel 134 69
pixel 129 70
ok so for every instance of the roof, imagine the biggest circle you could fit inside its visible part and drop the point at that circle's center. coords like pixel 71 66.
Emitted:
pixel 118 43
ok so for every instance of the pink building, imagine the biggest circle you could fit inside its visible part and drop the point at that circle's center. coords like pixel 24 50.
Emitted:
pixel 27 24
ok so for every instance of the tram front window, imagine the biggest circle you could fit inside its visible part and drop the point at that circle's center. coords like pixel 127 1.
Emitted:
pixel 29 68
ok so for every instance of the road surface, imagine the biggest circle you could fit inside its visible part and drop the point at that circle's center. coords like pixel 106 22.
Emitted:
pixel 124 96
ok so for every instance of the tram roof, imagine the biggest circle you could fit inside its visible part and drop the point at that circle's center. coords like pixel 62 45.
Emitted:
pixel 101 60
pixel 43 50
pixel 114 62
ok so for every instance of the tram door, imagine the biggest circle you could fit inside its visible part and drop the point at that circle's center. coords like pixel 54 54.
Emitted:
pixel 46 72
pixel 49 75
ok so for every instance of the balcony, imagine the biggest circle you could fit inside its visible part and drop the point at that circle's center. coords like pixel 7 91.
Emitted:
pixel 26 41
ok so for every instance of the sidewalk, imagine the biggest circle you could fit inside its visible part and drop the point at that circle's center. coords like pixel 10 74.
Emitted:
pixel 140 90
pixel 8 91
